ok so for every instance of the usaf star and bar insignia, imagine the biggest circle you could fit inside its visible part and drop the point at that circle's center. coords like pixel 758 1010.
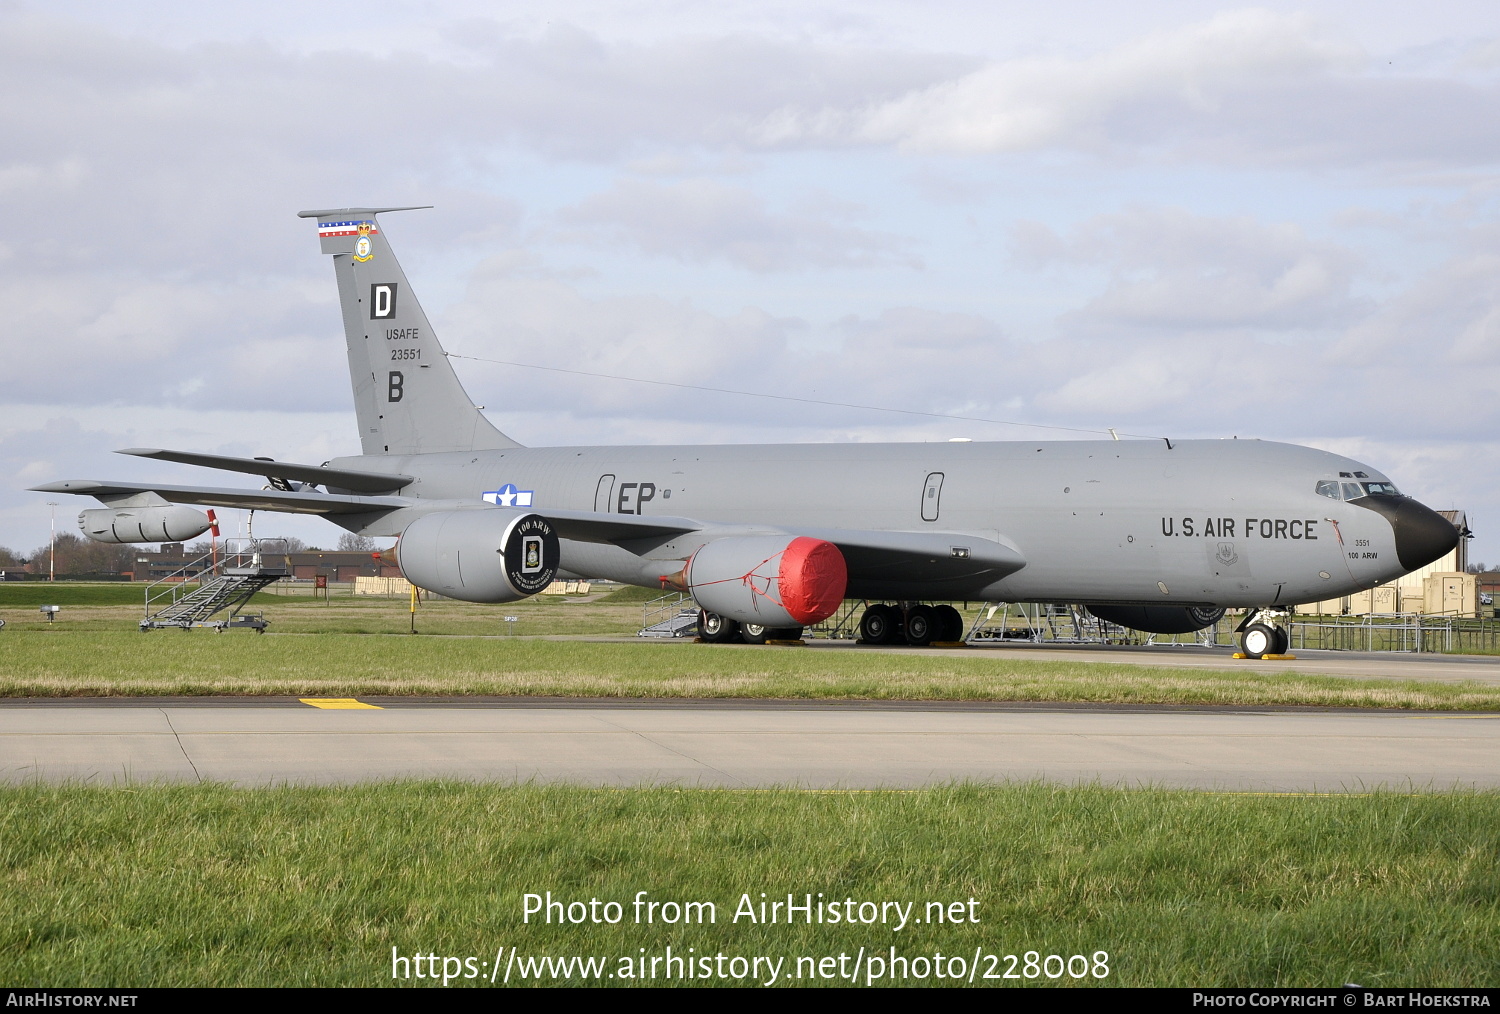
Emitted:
pixel 508 496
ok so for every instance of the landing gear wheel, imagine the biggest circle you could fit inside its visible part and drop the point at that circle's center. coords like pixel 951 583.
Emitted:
pixel 1263 639
pixel 921 626
pixel 880 625
pixel 784 634
pixel 755 633
pixel 1283 641
pixel 716 629
pixel 950 623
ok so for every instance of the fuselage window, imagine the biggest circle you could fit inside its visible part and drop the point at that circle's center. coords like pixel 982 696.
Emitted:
pixel 1329 488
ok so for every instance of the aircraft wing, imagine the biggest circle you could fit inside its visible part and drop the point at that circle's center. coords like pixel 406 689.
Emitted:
pixel 920 556
pixel 300 502
pixel 870 555
pixel 587 526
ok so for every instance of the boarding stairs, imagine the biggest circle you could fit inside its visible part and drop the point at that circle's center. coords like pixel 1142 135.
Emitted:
pixel 674 614
pixel 227 580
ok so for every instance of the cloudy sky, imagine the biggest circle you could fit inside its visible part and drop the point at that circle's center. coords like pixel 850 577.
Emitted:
pixel 1278 221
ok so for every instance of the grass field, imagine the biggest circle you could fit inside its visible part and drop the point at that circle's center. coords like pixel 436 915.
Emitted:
pixel 18 595
pixel 299 610
pixel 74 663
pixel 211 886
pixel 206 885
pixel 94 649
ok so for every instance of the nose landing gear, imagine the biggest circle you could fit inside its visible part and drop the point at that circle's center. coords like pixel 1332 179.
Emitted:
pixel 1262 633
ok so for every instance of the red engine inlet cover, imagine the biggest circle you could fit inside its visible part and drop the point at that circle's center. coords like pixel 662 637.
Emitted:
pixel 813 577
pixel 773 580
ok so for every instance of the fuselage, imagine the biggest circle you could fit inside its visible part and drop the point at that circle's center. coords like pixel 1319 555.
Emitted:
pixel 1193 522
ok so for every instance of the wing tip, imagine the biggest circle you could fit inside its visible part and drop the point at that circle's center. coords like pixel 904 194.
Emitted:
pixel 66 486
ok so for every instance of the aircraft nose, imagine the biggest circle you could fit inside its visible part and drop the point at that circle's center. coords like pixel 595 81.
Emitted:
pixel 1422 534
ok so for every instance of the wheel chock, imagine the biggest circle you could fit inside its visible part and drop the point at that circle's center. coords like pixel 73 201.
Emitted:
pixel 949 644
pixel 1266 658
pixel 790 644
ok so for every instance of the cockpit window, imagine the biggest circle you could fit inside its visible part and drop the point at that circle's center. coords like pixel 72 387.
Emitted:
pixel 1335 490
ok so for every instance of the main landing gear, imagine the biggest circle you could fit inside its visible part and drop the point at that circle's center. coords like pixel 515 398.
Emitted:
pixel 1262 633
pixel 911 623
pixel 916 624
pixel 716 629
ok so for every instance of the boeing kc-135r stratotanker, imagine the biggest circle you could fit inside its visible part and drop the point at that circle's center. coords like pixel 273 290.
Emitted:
pixel 1157 535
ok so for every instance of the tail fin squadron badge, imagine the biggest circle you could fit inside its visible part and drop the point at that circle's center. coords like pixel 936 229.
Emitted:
pixel 363 248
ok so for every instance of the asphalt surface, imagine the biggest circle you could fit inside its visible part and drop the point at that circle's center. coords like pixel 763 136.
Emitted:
pixel 259 741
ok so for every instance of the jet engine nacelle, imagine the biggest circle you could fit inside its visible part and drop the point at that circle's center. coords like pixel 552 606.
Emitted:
pixel 172 523
pixel 773 580
pixel 1159 619
pixel 479 555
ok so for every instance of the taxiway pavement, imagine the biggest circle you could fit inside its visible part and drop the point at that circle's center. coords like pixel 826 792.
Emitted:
pixel 253 742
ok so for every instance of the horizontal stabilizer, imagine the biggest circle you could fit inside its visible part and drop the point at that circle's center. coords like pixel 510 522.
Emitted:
pixel 341 478
pixel 326 212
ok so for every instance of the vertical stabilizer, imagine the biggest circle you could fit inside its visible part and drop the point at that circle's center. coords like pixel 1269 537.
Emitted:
pixel 406 396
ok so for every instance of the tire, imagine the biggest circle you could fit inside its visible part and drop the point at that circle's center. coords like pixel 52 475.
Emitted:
pixel 716 629
pixel 950 623
pixel 755 633
pixel 1283 641
pixel 922 626
pixel 1261 639
pixel 784 634
pixel 880 625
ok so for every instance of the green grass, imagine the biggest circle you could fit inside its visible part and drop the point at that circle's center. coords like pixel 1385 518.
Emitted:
pixel 64 663
pixel 300 610
pixel 30 594
pixel 631 595
pixel 204 885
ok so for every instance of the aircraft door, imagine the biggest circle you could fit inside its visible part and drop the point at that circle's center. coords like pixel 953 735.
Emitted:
pixel 602 494
pixel 932 492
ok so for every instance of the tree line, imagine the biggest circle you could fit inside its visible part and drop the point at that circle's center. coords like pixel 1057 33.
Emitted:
pixel 78 555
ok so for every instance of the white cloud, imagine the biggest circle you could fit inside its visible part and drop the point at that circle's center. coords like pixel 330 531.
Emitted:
pixel 1247 86
pixel 85 339
pixel 698 220
pixel 1173 269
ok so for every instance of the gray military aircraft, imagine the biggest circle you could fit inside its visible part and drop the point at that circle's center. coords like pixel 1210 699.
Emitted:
pixel 1157 535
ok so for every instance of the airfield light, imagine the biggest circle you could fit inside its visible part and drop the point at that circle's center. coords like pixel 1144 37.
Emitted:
pixel 52 547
